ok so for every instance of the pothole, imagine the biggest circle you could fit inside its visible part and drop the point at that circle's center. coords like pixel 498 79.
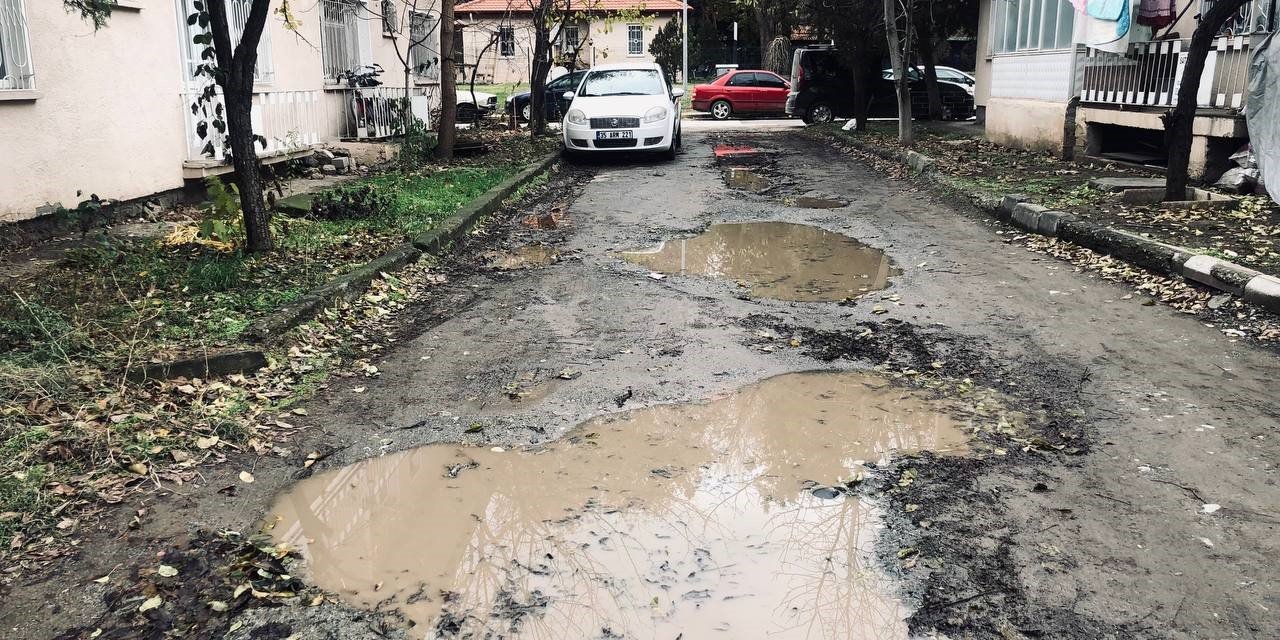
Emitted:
pixel 813 202
pixel 731 518
pixel 746 179
pixel 528 256
pixel 780 260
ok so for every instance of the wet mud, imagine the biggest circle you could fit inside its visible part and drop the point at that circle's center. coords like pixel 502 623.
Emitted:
pixel 734 518
pixel 780 260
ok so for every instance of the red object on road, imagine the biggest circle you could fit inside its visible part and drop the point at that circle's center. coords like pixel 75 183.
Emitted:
pixel 739 92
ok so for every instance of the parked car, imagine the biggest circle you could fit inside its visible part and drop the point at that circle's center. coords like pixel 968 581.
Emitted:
pixel 946 74
pixel 740 92
pixel 553 100
pixel 623 107
pixel 472 105
pixel 822 89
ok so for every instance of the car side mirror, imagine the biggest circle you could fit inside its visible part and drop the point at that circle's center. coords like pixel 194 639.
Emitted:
pixel 568 95
pixel 677 92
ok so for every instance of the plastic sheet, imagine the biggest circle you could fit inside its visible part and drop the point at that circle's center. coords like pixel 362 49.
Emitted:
pixel 1262 113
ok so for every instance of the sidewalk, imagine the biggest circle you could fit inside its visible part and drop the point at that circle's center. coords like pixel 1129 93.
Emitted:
pixel 1235 249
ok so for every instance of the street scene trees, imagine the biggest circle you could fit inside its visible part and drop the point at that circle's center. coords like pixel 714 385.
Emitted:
pixel 829 319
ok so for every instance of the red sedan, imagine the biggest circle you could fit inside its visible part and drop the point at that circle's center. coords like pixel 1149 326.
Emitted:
pixel 749 91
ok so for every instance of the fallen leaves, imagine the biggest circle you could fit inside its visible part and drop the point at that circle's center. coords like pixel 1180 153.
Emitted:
pixel 153 602
pixel 246 477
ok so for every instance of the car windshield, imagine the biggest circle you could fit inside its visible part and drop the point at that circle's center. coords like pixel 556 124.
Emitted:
pixel 623 82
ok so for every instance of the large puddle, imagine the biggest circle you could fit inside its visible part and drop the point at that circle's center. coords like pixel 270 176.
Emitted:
pixel 777 260
pixel 726 519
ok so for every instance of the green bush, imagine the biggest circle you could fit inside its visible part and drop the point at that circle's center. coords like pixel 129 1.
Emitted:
pixel 351 203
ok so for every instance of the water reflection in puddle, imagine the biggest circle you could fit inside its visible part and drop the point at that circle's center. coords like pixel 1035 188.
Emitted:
pixel 683 519
pixel 776 260
pixel 746 179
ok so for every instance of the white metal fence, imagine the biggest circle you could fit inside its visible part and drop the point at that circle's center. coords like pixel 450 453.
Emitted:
pixel 371 113
pixel 1254 17
pixel 289 120
pixel 16 70
pixel 1151 72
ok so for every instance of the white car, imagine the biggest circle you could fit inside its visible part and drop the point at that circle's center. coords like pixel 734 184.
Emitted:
pixel 945 74
pixel 623 107
pixel 472 104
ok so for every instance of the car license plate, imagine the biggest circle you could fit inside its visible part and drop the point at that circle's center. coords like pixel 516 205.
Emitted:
pixel 613 135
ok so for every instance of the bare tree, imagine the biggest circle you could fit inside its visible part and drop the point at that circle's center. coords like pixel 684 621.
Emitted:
pixel 898 31
pixel 1178 122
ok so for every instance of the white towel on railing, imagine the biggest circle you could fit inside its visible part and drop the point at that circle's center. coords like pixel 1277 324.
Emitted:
pixel 1112 35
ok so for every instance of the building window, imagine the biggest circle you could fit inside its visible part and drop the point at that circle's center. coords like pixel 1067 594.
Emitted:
pixel 339 37
pixel 422 56
pixel 389 23
pixel 16 71
pixel 237 16
pixel 571 38
pixel 1031 25
pixel 506 41
pixel 635 40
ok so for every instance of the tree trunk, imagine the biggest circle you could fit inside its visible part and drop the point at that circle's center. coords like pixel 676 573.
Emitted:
pixel 899 53
pixel 244 159
pixel 448 130
pixel 862 83
pixel 1178 122
pixel 539 69
pixel 928 58
pixel 235 76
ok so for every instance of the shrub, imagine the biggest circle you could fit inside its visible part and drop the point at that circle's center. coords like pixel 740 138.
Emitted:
pixel 350 203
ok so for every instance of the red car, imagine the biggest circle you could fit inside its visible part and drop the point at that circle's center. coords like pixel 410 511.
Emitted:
pixel 749 91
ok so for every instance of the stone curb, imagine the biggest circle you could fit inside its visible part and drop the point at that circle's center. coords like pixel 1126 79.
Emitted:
pixel 200 366
pixel 353 284
pixel 1016 209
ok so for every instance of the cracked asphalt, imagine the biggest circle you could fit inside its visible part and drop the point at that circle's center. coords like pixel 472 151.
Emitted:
pixel 1110 540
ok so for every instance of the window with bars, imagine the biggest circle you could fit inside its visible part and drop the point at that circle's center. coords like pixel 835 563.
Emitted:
pixel 16 70
pixel 1031 25
pixel 571 36
pixel 506 41
pixel 635 40
pixel 389 22
pixel 237 16
pixel 339 37
pixel 422 56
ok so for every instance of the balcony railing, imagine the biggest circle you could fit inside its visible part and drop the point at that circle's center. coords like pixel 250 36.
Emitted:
pixel 1151 72
pixel 16 71
pixel 289 120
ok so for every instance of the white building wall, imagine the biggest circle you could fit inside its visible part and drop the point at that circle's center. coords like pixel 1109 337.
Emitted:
pixel 109 115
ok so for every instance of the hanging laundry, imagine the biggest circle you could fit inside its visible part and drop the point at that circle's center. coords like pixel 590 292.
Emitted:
pixel 1080 5
pixel 1113 35
pixel 1157 14
pixel 1108 10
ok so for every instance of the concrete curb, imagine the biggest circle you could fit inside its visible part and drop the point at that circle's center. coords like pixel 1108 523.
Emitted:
pixel 1017 210
pixel 434 242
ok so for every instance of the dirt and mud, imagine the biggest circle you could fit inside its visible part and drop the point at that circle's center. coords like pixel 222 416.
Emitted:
pixel 1117 478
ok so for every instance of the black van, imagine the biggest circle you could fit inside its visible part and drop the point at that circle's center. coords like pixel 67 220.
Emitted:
pixel 822 89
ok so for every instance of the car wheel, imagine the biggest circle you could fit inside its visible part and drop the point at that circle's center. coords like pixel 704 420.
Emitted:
pixel 820 113
pixel 526 112
pixel 721 110
pixel 569 155
pixel 466 112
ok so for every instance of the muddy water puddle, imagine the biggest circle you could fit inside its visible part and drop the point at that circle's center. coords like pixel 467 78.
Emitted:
pixel 776 260
pixel 723 519
pixel 526 257
pixel 813 202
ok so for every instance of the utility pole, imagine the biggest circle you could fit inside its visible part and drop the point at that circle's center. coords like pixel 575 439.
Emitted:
pixel 684 44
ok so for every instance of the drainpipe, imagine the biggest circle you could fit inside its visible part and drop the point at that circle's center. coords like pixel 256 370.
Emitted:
pixel 684 44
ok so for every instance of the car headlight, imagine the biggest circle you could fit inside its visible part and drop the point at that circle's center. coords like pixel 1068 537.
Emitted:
pixel 656 114
pixel 576 116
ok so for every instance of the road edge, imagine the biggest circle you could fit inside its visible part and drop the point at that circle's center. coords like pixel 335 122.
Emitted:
pixel 1018 210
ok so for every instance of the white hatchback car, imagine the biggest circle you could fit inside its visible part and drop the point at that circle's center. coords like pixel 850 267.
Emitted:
pixel 623 107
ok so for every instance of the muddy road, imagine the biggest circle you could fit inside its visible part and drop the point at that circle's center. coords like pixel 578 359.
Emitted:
pixel 811 402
